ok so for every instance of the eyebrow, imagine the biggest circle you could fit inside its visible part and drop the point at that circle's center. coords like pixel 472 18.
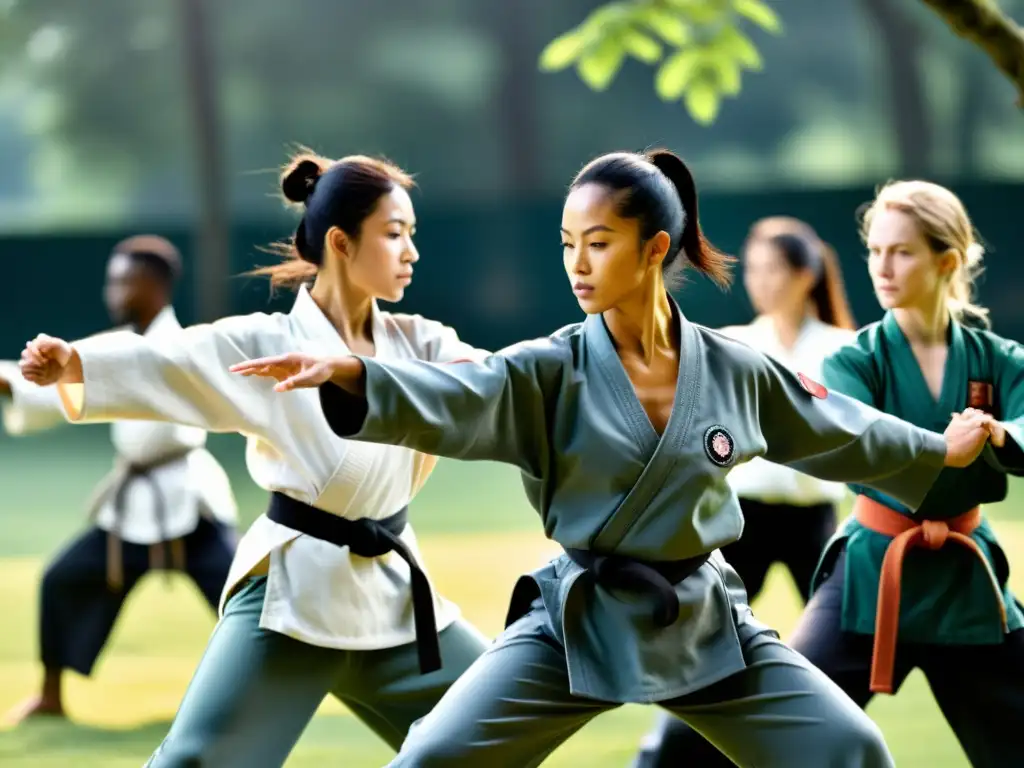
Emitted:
pixel 400 220
pixel 591 230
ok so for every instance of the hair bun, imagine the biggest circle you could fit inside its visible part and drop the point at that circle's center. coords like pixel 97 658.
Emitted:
pixel 298 182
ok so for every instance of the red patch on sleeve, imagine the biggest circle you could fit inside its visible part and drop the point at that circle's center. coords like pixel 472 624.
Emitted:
pixel 813 388
pixel 458 360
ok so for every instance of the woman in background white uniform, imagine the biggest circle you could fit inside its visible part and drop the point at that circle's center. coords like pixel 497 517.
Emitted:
pixel 327 593
pixel 795 286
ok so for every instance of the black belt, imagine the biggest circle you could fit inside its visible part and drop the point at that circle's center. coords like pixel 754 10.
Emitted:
pixel 659 579
pixel 369 538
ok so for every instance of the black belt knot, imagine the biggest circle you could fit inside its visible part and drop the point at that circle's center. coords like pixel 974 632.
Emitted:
pixel 657 579
pixel 369 538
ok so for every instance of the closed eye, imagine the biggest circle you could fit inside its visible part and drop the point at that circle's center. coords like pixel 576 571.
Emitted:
pixel 567 245
pixel 599 246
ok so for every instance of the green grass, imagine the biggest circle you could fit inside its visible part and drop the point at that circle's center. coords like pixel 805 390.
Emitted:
pixel 477 535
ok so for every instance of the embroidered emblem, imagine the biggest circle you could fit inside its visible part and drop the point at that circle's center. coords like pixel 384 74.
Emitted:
pixel 813 388
pixel 719 446
pixel 979 395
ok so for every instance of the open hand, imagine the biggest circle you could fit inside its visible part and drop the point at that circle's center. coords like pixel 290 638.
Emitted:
pixel 966 436
pixel 45 359
pixel 300 371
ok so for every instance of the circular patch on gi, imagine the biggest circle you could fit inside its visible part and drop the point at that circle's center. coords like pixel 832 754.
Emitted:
pixel 813 388
pixel 719 445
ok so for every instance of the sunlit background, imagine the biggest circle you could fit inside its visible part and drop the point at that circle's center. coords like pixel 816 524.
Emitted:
pixel 172 116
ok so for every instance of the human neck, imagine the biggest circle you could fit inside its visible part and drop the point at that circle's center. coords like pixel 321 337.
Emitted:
pixel 926 325
pixel 643 324
pixel 347 308
pixel 788 324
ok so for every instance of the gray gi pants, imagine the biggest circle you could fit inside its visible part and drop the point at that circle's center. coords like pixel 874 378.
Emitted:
pixel 512 708
pixel 256 690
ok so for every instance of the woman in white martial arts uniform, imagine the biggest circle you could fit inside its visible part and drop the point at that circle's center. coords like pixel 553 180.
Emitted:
pixel 327 593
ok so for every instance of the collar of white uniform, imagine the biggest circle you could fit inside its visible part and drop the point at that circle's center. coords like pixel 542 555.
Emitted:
pixel 165 320
pixel 312 323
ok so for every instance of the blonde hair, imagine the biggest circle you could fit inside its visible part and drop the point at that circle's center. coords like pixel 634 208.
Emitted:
pixel 945 225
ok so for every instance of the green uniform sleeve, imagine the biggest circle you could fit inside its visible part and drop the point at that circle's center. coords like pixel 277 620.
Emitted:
pixel 1009 394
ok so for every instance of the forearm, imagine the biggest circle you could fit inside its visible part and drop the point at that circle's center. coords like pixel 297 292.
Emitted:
pixel 350 375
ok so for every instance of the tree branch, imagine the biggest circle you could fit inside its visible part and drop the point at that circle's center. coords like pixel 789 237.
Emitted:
pixel 981 22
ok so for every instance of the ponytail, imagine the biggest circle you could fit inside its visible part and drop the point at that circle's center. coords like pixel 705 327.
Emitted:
pixel 829 293
pixel 298 179
pixel 702 254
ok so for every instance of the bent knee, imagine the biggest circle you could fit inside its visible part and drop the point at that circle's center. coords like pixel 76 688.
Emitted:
pixel 859 741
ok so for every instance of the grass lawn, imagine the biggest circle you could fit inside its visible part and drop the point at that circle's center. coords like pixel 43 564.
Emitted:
pixel 478 536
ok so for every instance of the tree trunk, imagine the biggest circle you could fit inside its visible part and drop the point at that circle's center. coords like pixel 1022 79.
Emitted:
pixel 900 41
pixel 213 255
pixel 517 97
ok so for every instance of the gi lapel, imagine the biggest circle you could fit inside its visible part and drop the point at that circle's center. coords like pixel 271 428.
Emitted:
pixel 668 448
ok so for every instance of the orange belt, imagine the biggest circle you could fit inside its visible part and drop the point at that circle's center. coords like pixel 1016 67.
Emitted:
pixel 908 534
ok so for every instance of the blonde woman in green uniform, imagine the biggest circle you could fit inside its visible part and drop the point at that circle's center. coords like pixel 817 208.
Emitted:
pixel 899 589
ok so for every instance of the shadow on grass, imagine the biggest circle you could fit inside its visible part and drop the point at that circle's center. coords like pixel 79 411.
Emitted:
pixel 52 735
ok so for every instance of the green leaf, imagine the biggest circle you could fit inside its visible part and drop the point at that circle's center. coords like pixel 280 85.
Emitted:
pixel 728 71
pixel 760 13
pixel 562 51
pixel 598 67
pixel 702 101
pixel 672 29
pixel 641 47
pixel 730 39
pixel 611 14
pixel 676 73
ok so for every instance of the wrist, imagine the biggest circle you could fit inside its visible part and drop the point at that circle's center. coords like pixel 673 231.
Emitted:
pixel 72 373
pixel 347 373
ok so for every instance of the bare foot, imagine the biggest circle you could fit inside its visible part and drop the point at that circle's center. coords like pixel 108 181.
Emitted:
pixel 33 707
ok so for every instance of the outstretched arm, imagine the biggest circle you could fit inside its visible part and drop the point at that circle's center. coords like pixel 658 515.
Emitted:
pixel 181 378
pixel 835 437
pixel 493 410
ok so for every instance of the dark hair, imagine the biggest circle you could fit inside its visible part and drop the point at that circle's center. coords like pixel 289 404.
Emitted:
pixel 334 193
pixel 658 190
pixel 153 253
pixel 801 247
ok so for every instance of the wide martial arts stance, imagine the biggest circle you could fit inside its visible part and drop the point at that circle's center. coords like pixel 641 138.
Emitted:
pixel 167 503
pixel 327 593
pixel 793 281
pixel 624 427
